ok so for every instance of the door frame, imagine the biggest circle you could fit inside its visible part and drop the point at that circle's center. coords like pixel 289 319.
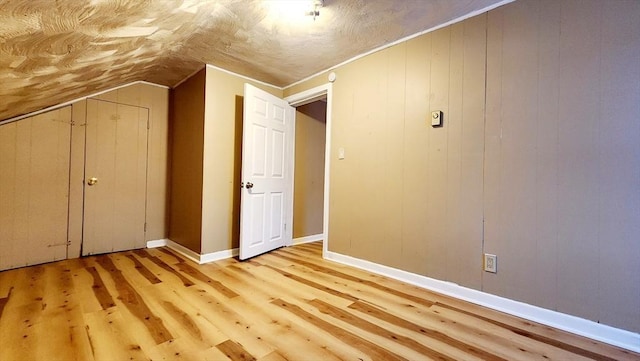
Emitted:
pixel 306 97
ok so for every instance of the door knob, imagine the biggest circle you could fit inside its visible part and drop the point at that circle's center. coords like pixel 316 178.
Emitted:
pixel 92 181
pixel 249 185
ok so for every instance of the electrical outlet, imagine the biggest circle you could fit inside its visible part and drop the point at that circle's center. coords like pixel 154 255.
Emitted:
pixel 490 263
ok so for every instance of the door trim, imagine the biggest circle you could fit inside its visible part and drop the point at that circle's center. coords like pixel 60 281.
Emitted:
pixel 306 97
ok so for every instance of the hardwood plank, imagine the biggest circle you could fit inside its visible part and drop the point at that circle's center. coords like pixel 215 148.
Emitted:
pixel 313 284
pixel 33 276
pixel 182 349
pixel 167 251
pixel 4 301
pixel 348 277
pixel 498 340
pixel 373 328
pixel 184 317
pixel 234 351
pixel 69 342
pixel 274 356
pixel 289 304
pixel 99 290
pixel 211 354
pixel 270 324
pixel 186 281
pixel 17 334
pixel 231 321
pixel 374 351
pixel 434 334
pixel 272 284
pixel 293 341
pixel 110 337
pixel 532 327
pixel 534 336
pixel 191 271
pixel 135 304
pixel 144 271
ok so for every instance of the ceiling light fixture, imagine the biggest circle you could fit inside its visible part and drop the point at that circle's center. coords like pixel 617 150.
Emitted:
pixel 315 8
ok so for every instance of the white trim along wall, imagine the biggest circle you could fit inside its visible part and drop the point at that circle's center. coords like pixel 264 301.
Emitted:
pixel 562 321
pixel 308 239
pixel 195 257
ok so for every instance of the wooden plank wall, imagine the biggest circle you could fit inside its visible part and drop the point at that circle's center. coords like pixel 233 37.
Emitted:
pixel 409 195
pixel 34 189
pixel 563 157
pixel 156 99
pixel 40 146
pixel 116 153
pixel 552 164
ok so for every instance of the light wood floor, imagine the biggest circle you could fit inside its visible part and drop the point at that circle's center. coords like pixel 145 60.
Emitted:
pixel 286 305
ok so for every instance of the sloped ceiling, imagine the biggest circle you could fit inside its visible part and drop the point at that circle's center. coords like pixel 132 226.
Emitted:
pixel 53 51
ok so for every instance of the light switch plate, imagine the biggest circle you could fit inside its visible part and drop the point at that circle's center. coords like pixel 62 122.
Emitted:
pixel 436 118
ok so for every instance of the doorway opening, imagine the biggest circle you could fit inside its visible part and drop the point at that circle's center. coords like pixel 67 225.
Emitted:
pixel 323 94
pixel 308 189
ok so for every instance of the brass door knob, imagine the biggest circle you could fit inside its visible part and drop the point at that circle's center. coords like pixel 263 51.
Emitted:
pixel 92 181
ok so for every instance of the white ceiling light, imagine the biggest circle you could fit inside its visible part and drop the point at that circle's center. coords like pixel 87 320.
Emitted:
pixel 315 8
pixel 295 8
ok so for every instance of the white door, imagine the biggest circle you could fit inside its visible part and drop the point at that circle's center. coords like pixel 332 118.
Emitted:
pixel 266 213
pixel 115 177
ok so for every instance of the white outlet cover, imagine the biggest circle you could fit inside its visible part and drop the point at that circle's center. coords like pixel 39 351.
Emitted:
pixel 490 263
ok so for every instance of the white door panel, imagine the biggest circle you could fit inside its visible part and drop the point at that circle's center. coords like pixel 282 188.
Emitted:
pixel 267 173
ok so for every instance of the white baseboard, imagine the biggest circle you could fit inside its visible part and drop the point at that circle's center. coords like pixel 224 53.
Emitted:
pixel 216 256
pixel 157 243
pixel 308 239
pixel 186 252
pixel 194 256
pixel 611 335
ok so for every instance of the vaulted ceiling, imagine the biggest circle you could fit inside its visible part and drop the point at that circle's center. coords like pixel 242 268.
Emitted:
pixel 53 51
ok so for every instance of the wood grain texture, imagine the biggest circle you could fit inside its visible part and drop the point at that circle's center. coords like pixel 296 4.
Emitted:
pixel 289 304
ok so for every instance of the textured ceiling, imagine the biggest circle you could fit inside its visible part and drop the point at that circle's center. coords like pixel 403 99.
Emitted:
pixel 53 51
